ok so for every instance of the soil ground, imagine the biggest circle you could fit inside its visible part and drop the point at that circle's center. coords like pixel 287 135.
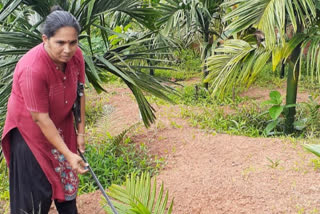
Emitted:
pixel 210 173
pixel 207 173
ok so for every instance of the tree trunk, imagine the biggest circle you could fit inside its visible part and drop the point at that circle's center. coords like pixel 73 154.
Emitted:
pixel 207 42
pixel 282 71
pixel 291 98
pixel 205 74
pixel 292 87
pixel 151 69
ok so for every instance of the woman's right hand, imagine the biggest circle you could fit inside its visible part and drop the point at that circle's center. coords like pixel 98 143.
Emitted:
pixel 76 163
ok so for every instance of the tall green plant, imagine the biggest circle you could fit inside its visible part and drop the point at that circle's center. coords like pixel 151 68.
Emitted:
pixel 194 19
pixel 275 111
pixel 275 30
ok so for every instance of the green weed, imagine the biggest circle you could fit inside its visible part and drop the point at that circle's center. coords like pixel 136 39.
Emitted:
pixel 243 121
pixel 175 125
pixel 94 108
pixel 270 79
pixel 175 75
pixel 113 159
pixel 195 95
pixel 273 164
pixel 242 116
pixel 316 164
pixel 188 60
pixel 4 187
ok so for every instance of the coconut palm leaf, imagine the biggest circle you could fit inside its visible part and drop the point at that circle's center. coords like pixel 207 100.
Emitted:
pixel 239 62
pixel 137 81
pixel 312 44
pixel 23 40
pixel 314 148
pixel 194 19
pixel 283 52
pixel 8 8
pixel 269 16
pixel 139 195
pixel 279 21
pixel 235 63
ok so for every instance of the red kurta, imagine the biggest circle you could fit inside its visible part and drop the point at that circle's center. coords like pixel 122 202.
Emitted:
pixel 38 86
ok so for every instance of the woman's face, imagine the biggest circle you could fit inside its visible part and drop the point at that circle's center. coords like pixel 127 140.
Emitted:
pixel 62 45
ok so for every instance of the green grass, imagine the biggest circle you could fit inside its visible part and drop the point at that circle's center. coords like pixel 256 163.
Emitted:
pixel 176 75
pixel 4 187
pixel 243 121
pixel 270 79
pixel 240 115
pixel 186 64
pixel 94 109
pixel 4 180
pixel 197 96
pixel 115 158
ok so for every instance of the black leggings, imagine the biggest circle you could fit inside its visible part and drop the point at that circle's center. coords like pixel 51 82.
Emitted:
pixel 30 190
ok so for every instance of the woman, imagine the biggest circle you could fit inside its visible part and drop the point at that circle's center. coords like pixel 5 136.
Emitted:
pixel 39 140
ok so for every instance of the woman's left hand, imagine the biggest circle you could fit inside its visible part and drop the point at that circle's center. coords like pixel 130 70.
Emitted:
pixel 81 143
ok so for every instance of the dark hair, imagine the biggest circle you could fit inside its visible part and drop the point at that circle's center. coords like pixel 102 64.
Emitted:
pixel 57 19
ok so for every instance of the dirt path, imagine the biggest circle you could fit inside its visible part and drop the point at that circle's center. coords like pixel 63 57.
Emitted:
pixel 207 173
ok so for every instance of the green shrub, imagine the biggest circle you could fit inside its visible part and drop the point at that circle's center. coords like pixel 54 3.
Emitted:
pixel 113 159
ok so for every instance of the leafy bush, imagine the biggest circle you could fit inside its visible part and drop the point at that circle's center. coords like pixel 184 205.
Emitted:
pixel 275 111
pixel 247 117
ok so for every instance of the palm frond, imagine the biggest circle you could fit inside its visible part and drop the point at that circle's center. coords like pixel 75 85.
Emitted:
pixel 281 53
pixel 139 195
pixel 235 63
pixel 314 148
pixel 312 44
pixel 19 39
pixel 269 16
pixel 8 8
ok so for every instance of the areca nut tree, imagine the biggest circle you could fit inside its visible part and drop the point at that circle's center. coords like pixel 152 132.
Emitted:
pixel 191 19
pixel 287 27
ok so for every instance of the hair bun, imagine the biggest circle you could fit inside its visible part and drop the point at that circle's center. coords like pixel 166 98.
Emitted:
pixel 56 7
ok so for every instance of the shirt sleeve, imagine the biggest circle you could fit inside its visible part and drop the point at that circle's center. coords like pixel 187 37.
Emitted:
pixel 34 90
